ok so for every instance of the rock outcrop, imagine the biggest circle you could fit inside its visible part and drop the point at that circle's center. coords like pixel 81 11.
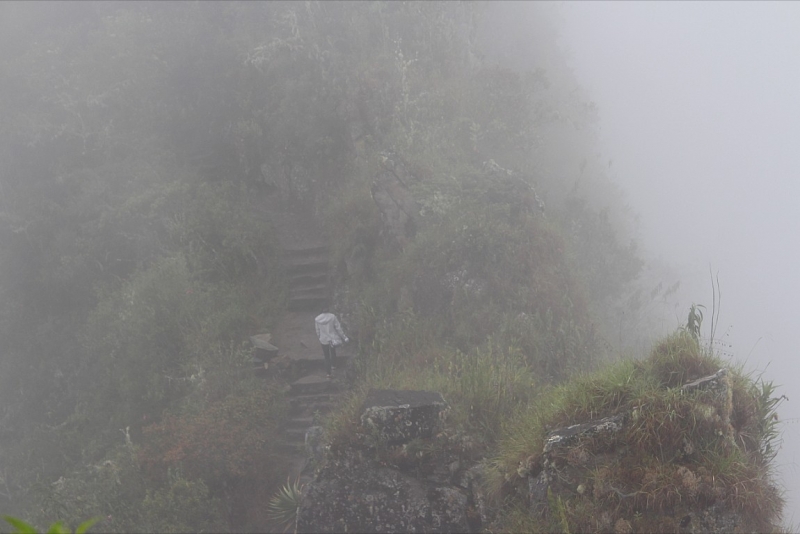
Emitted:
pixel 401 473
pixel 657 449
pixel 398 417
pixel 595 464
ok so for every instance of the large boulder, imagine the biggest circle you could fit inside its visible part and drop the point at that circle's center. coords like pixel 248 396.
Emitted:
pixel 366 497
pixel 399 416
pixel 401 472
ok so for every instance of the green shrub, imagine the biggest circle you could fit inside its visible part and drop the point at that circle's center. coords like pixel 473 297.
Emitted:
pixel 229 440
pixel 182 506
pixel 111 489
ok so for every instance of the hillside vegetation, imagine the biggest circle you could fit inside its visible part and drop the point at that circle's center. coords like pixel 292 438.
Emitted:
pixel 137 141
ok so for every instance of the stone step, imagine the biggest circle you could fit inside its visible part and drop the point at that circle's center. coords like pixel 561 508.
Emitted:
pixel 292 448
pixel 309 404
pixel 311 384
pixel 306 263
pixel 300 278
pixel 298 289
pixel 305 251
pixel 321 408
pixel 300 422
pixel 308 299
pixel 293 435
pixel 306 303
pixel 319 272
pixel 313 399
pixel 309 365
pixel 317 409
pixel 301 294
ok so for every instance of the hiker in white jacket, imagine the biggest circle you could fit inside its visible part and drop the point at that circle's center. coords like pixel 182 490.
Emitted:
pixel 330 335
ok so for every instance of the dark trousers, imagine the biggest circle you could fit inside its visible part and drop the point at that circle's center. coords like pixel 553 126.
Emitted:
pixel 329 352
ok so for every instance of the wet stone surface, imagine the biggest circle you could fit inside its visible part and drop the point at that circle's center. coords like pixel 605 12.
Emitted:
pixel 400 416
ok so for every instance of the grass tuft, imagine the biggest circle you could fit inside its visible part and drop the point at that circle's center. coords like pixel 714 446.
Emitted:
pixel 678 359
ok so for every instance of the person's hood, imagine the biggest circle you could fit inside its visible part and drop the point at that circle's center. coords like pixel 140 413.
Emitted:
pixel 324 318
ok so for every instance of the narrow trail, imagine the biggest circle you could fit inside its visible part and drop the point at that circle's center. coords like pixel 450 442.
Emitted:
pixel 305 258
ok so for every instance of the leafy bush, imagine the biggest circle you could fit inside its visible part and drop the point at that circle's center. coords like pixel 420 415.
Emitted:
pixel 485 268
pixel 139 335
pixel 182 506
pixel 229 440
pixel 111 489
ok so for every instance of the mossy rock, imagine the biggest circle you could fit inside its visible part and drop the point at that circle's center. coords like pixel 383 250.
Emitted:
pixel 675 443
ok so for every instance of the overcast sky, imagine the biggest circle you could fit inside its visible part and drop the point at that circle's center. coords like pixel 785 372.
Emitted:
pixel 700 111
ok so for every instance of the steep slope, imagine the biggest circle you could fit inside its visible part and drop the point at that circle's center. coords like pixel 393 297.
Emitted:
pixel 678 442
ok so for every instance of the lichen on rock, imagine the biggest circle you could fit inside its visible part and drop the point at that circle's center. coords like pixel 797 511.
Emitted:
pixel 403 474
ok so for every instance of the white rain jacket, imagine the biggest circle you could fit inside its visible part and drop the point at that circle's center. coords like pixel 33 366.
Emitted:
pixel 329 330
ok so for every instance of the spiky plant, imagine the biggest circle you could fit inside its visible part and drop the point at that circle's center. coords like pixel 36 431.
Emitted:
pixel 284 505
pixel 694 321
pixel 21 527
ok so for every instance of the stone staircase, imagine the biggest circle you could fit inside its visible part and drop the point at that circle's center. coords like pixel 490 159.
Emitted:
pixel 307 272
pixel 309 397
pixel 307 269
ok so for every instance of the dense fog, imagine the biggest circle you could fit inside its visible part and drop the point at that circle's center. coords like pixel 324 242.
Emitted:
pixel 512 208
pixel 700 118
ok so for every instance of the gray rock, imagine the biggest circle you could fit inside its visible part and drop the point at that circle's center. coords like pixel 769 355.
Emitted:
pixel 537 492
pixel 364 498
pixel 448 510
pixel 472 482
pixel 720 406
pixel 565 436
pixel 539 483
pixel 714 381
pixel 359 495
pixel 263 349
pixel 315 446
pixel 310 385
pixel 360 489
pixel 400 416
